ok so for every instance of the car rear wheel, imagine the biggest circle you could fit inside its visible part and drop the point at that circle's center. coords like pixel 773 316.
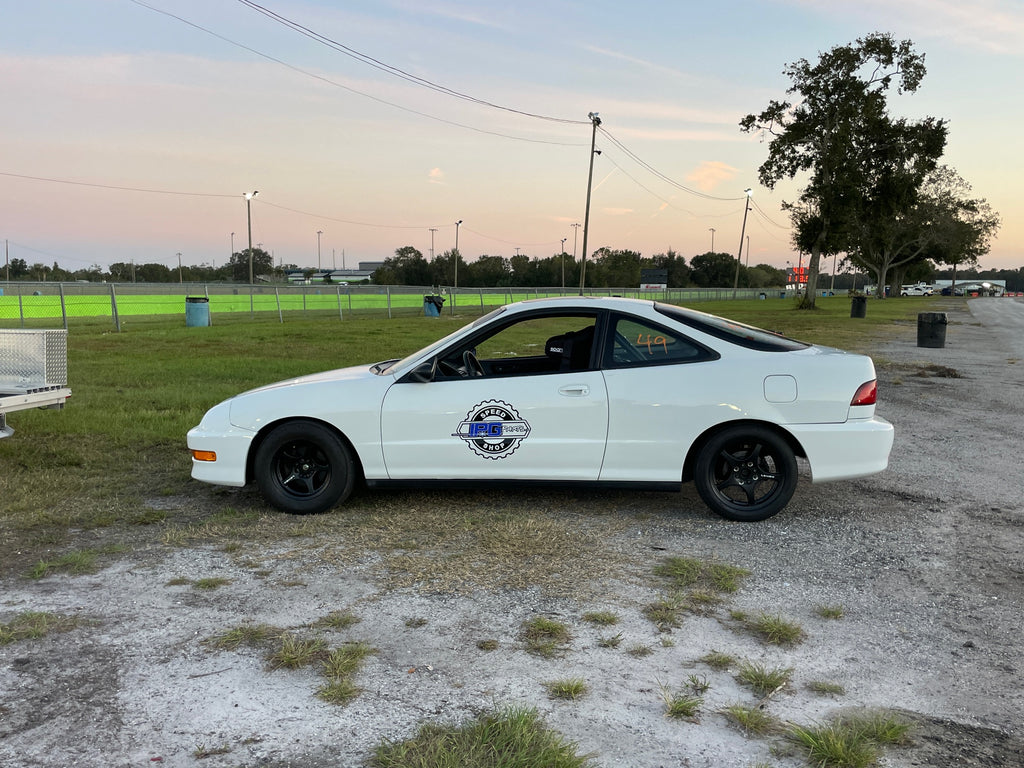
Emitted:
pixel 304 468
pixel 746 473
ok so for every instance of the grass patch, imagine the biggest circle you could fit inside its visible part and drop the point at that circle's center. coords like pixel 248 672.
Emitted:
pixel 718 660
pixel 346 660
pixel 294 652
pixel 511 738
pixel 751 720
pixel 763 680
pixel 210 583
pixel 77 562
pixel 545 637
pixel 693 586
pixel 33 625
pixel 249 635
pixel 203 751
pixel 682 705
pixel 830 611
pixel 570 689
pixel 776 630
pixel 601 618
pixel 610 641
pixel 340 692
pixel 639 651
pixel 834 746
pixel 487 645
pixel 665 613
pixel 336 620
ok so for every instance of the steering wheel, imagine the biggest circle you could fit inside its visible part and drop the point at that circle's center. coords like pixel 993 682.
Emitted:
pixel 473 367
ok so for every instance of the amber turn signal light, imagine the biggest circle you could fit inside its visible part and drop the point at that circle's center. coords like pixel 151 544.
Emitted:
pixel 204 455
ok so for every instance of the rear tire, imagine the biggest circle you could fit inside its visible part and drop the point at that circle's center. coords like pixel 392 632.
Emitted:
pixel 746 473
pixel 304 468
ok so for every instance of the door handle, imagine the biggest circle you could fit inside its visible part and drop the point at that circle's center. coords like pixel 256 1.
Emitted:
pixel 574 390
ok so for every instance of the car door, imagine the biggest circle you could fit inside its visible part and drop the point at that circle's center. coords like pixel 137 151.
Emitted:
pixel 534 414
pixel 664 389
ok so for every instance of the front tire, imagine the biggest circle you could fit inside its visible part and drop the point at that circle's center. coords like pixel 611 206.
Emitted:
pixel 304 468
pixel 746 473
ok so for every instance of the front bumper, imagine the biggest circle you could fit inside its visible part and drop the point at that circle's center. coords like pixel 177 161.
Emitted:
pixel 231 445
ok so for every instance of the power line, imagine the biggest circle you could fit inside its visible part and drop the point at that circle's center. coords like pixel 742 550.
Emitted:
pixel 655 172
pixel 355 91
pixel 112 186
pixel 395 71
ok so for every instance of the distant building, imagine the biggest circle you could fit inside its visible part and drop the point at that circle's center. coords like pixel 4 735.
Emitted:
pixel 319 276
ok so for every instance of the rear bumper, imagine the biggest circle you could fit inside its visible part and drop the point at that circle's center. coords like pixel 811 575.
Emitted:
pixel 855 448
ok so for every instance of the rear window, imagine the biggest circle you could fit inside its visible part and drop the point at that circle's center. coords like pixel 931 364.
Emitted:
pixel 731 331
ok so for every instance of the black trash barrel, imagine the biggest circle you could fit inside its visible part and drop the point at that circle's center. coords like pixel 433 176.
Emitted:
pixel 931 330
pixel 859 306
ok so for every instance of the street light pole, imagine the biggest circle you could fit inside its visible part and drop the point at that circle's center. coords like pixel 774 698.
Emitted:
pixel 739 253
pixel 561 260
pixel 318 233
pixel 457 223
pixel 248 216
pixel 712 230
pixel 179 269
pixel 432 231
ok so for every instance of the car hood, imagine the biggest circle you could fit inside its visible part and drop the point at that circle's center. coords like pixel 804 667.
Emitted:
pixel 340 374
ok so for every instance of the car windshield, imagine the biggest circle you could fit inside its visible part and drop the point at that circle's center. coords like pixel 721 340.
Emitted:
pixel 731 331
pixel 398 367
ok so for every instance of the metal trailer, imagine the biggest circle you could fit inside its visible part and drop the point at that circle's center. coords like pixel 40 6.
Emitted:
pixel 33 371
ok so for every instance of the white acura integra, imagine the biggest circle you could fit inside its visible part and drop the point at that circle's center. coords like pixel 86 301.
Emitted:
pixel 609 391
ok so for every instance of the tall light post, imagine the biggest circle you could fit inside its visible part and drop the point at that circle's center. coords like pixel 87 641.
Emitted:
pixel 179 268
pixel 457 224
pixel 712 231
pixel 318 233
pixel 595 121
pixel 561 260
pixel 747 264
pixel 248 216
pixel 232 243
pixel 575 232
pixel 432 231
pixel 739 252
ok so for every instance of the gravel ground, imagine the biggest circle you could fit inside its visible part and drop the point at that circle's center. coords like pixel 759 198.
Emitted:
pixel 926 561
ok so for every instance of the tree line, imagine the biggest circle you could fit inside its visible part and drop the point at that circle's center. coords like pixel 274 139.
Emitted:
pixel 606 268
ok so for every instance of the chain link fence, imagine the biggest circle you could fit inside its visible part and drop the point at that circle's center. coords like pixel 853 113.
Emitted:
pixel 50 305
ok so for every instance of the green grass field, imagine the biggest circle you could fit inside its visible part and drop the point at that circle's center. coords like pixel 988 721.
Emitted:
pixel 121 440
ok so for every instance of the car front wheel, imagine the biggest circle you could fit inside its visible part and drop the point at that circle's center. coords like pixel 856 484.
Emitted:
pixel 746 473
pixel 304 468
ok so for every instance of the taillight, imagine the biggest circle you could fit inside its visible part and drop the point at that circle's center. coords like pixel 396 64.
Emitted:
pixel 867 393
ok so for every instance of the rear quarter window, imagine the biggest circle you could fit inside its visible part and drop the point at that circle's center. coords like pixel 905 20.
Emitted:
pixel 729 330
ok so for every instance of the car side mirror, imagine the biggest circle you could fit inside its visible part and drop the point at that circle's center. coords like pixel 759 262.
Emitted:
pixel 424 372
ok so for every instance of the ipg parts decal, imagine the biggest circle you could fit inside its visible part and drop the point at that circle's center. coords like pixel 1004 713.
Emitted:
pixel 493 429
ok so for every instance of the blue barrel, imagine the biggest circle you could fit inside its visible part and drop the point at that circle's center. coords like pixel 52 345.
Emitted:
pixel 197 311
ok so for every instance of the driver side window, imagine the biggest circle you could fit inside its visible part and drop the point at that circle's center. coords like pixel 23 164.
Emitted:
pixel 534 345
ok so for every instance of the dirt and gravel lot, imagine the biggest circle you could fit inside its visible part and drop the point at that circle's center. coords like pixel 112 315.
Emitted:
pixel 926 560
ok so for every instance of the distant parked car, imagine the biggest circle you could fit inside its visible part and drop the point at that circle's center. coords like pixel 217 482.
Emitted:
pixel 614 392
pixel 920 289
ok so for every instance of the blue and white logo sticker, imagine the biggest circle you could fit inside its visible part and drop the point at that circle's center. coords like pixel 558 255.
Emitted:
pixel 493 429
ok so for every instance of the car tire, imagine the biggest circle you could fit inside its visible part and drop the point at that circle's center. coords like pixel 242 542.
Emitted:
pixel 304 468
pixel 746 473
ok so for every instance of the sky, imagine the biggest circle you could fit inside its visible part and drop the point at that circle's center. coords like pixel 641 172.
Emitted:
pixel 130 130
